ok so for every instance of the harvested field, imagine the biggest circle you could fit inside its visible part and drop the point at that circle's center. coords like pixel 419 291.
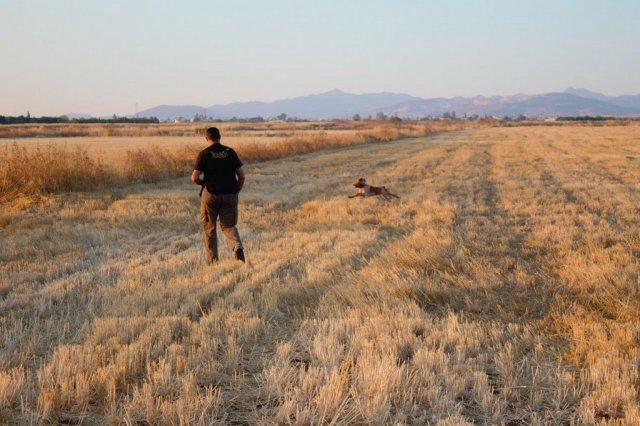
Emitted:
pixel 503 287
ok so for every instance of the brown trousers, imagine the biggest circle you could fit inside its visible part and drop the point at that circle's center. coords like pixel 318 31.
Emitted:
pixel 226 207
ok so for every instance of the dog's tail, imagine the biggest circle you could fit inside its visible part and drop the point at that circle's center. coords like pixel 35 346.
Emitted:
pixel 389 193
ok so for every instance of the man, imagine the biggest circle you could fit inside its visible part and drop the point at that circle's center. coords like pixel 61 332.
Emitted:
pixel 219 171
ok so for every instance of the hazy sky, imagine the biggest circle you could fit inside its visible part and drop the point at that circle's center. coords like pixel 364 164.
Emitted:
pixel 101 57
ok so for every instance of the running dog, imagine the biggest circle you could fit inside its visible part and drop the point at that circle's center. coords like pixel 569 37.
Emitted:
pixel 366 190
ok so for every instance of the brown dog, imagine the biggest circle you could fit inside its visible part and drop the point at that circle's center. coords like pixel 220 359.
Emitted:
pixel 366 190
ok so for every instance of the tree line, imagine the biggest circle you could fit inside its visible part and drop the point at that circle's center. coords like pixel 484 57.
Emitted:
pixel 27 119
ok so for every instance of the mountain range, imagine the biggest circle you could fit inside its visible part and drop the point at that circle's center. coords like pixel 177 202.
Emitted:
pixel 339 104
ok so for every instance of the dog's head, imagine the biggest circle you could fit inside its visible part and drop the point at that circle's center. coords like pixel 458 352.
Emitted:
pixel 360 183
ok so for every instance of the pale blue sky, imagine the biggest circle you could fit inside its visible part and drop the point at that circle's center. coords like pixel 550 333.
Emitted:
pixel 101 57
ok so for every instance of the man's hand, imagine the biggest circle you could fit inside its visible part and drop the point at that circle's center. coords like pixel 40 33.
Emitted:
pixel 240 174
pixel 195 177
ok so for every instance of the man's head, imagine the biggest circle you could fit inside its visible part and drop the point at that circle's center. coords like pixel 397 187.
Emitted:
pixel 360 183
pixel 213 134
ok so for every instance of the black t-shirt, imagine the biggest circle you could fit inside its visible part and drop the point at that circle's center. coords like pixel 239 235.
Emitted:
pixel 219 164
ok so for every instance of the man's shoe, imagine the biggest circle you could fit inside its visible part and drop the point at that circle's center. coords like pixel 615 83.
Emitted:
pixel 240 254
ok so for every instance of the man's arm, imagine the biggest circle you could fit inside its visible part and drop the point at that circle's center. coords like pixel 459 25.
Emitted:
pixel 240 174
pixel 195 177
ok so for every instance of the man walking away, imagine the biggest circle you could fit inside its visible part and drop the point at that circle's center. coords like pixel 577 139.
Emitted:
pixel 222 181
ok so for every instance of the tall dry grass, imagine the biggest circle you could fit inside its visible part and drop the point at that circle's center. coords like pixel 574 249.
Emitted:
pixel 53 168
pixel 167 129
pixel 15 131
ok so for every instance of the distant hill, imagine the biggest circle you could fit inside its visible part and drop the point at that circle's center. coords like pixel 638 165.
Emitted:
pixel 588 94
pixel 550 104
pixel 339 104
pixel 627 101
pixel 333 104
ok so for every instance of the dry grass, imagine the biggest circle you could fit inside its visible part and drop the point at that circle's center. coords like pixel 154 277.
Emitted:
pixel 502 288
pixel 106 130
pixel 89 163
pixel 229 129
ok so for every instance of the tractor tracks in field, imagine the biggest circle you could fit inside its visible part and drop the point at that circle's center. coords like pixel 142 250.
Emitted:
pixel 590 192
pixel 508 283
pixel 510 265
pixel 603 223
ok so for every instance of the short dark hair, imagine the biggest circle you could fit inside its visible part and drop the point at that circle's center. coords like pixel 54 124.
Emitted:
pixel 213 134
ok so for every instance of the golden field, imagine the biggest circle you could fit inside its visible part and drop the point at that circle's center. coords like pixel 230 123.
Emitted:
pixel 503 287
pixel 131 153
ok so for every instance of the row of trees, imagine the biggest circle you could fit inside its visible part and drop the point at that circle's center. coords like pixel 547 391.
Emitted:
pixel 446 115
pixel 591 118
pixel 379 116
pixel 27 119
